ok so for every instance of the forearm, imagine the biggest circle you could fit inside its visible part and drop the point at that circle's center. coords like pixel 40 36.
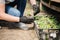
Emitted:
pixel 33 2
pixel 35 7
pixel 7 17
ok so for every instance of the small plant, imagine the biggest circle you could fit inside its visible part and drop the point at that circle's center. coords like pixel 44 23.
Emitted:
pixel 47 22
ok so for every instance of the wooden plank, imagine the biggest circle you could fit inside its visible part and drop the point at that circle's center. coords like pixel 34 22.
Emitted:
pixel 56 1
pixel 51 6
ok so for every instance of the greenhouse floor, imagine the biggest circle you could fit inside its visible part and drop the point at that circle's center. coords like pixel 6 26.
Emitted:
pixel 17 34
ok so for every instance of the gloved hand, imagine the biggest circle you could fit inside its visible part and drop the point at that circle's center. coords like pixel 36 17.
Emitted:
pixel 36 9
pixel 24 19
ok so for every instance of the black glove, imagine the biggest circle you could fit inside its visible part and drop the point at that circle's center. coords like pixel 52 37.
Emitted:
pixel 36 9
pixel 24 19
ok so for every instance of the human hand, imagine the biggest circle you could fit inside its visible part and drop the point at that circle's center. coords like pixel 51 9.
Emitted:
pixel 25 19
pixel 36 9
